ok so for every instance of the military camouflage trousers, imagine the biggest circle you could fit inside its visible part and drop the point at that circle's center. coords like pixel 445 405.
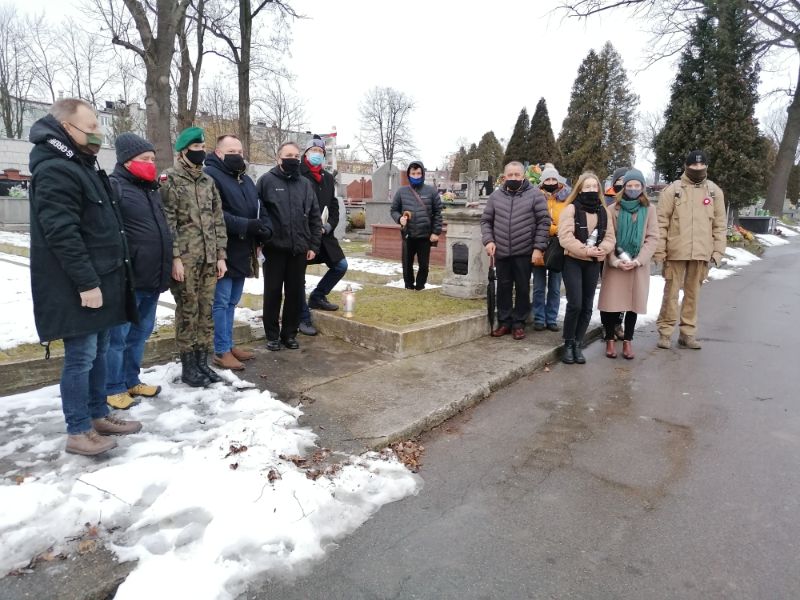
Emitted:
pixel 194 327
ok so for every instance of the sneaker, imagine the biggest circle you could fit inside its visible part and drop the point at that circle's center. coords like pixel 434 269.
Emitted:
pixel 321 303
pixel 553 327
pixel 538 326
pixel 227 360
pixel 142 389
pixel 242 354
pixel 121 401
pixel 111 425
pixel 664 342
pixel 689 341
pixel 307 328
pixel 89 444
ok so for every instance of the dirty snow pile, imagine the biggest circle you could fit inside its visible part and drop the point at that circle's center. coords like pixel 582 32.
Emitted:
pixel 771 240
pixel 16 305
pixel 206 497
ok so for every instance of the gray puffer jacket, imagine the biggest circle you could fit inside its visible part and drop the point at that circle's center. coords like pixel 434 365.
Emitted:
pixel 517 222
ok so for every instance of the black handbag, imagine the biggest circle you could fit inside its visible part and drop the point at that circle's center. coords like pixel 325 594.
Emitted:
pixel 554 255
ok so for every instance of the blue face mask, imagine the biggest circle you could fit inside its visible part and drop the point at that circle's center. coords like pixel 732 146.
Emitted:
pixel 415 180
pixel 632 194
pixel 316 159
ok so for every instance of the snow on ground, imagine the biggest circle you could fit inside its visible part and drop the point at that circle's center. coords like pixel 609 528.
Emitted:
pixel 16 306
pixel 787 231
pixel 400 283
pixel 13 238
pixel 200 520
pixel 738 257
pixel 771 240
pixel 255 286
pixel 378 267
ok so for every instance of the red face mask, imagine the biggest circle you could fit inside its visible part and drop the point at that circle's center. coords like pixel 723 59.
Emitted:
pixel 144 170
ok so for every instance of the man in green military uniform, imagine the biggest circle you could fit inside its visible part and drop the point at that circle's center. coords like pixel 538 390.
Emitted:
pixel 194 213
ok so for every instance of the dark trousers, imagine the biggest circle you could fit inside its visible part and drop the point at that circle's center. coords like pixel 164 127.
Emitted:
pixel 283 272
pixel 580 282
pixel 513 283
pixel 421 248
pixel 611 319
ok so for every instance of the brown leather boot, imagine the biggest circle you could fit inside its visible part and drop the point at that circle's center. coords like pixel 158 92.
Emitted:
pixel 227 361
pixel 627 349
pixel 89 443
pixel 242 354
pixel 111 425
pixel 611 348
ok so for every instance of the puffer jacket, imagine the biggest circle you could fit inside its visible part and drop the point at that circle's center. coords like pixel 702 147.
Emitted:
pixel 517 222
pixel 692 221
pixel 426 217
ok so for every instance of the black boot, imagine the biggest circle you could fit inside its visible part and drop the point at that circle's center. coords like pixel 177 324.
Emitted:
pixel 568 357
pixel 201 356
pixel 578 352
pixel 189 374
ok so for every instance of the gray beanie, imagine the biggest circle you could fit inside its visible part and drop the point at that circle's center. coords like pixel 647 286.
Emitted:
pixel 316 142
pixel 129 145
pixel 550 172
pixel 635 175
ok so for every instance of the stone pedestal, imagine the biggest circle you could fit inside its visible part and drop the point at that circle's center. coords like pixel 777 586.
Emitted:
pixel 465 252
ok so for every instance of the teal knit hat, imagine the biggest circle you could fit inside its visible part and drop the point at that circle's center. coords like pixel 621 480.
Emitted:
pixel 187 137
pixel 634 175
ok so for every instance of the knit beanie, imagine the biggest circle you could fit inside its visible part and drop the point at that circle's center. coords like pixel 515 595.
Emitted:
pixel 316 142
pixel 634 175
pixel 619 173
pixel 187 137
pixel 550 172
pixel 696 156
pixel 129 145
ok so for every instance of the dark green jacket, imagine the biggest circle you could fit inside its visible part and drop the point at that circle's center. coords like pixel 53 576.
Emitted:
pixel 77 240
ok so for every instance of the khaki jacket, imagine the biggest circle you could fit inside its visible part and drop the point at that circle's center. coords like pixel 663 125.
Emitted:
pixel 692 221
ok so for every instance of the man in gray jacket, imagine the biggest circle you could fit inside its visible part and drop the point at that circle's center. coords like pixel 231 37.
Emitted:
pixel 515 227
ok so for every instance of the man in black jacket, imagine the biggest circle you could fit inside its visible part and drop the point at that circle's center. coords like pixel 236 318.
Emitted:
pixel 150 243
pixel 418 209
pixel 80 271
pixel 330 252
pixel 291 204
pixel 246 227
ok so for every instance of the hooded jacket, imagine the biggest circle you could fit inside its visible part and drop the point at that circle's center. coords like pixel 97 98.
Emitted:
pixel 292 206
pixel 610 194
pixel 426 216
pixel 240 203
pixel 517 222
pixel 77 239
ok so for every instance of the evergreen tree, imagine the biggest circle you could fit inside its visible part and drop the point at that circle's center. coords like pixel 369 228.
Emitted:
pixel 459 164
pixel 542 146
pixel 599 131
pixel 517 148
pixel 490 153
pixel 793 189
pixel 472 153
pixel 712 105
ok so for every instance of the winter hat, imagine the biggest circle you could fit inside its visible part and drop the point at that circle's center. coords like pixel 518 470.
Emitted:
pixel 316 142
pixel 696 156
pixel 634 175
pixel 129 145
pixel 416 164
pixel 619 173
pixel 550 172
pixel 187 137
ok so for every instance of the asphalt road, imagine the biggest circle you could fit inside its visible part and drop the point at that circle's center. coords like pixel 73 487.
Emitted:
pixel 674 475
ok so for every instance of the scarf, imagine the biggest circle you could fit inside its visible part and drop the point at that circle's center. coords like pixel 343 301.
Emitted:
pixel 316 172
pixel 630 232
pixel 195 171
pixel 592 206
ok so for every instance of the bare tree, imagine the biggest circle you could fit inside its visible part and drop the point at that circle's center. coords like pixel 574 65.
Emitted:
pixel 776 26
pixel 45 54
pixel 88 64
pixel 123 118
pixel 16 73
pixel 385 132
pixel 217 108
pixel 282 114
pixel 774 124
pixel 149 29
pixel 190 33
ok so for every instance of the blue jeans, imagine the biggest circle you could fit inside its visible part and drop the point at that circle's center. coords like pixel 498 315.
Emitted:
pixel 545 283
pixel 126 345
pixel 83 381
pixel 226 297
pixel 334 275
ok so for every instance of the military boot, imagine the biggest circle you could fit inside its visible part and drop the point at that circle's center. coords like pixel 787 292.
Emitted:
pixel 201 358
pixel 190 375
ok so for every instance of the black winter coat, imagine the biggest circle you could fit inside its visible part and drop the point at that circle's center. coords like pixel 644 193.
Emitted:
pixel 517 222
pixel 77 242
pixel 330 251
pixel 425 220
pixel 240 203
pixel 292 207
pixel 146 229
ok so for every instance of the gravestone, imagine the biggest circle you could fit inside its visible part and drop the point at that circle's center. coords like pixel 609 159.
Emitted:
pixel 466 263
pixel 385 181
pixel 341 227
pixel 474 178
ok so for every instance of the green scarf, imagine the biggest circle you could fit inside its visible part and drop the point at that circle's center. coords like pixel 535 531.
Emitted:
pixel 630 233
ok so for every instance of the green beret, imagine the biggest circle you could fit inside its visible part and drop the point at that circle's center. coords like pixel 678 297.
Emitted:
pixel 187 137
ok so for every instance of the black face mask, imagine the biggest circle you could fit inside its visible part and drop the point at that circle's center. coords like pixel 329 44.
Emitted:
pixel 618 188
pixel 234 162
pixel 196 157
pixel 550 187
pixel 589 197
pixel 290 166
pixel 512 185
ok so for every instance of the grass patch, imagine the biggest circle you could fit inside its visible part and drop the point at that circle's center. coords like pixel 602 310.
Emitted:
pixel 355 247
pixel 753 247
pixel 16 250
pixel 394 307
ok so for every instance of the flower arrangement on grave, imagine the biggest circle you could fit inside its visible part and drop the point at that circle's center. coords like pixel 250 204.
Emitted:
pixel 737 233
pixel 534 174
pixel 448 197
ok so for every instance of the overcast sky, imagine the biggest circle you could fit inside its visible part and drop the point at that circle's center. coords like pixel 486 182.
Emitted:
pixel 469 65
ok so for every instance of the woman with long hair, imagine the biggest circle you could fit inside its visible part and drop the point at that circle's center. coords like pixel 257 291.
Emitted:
pixel 626 276
pixel 585 235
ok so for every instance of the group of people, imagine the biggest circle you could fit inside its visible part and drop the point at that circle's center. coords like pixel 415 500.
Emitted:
pixel 104 248
pixel 618 238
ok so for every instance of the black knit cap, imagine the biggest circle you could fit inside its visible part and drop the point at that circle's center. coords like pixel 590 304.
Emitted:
pixel 696 156
pixel 129 145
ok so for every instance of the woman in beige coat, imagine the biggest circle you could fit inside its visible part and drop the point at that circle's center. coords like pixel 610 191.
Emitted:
pixel 626 276
pixel 587 237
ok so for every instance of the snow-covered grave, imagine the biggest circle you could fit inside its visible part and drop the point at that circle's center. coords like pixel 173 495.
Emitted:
pixel 211 493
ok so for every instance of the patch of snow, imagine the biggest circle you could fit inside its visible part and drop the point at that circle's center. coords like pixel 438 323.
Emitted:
pixel 17 325
pixel 200 522
pixel 13 238
pixel 771 240
pixel 715 274
pixel 739 257
pixel 255 287
pixel 787 231
pixel 400 283
pixel 377 267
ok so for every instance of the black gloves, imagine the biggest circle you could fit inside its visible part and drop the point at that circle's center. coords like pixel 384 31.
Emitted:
pixel 253 226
